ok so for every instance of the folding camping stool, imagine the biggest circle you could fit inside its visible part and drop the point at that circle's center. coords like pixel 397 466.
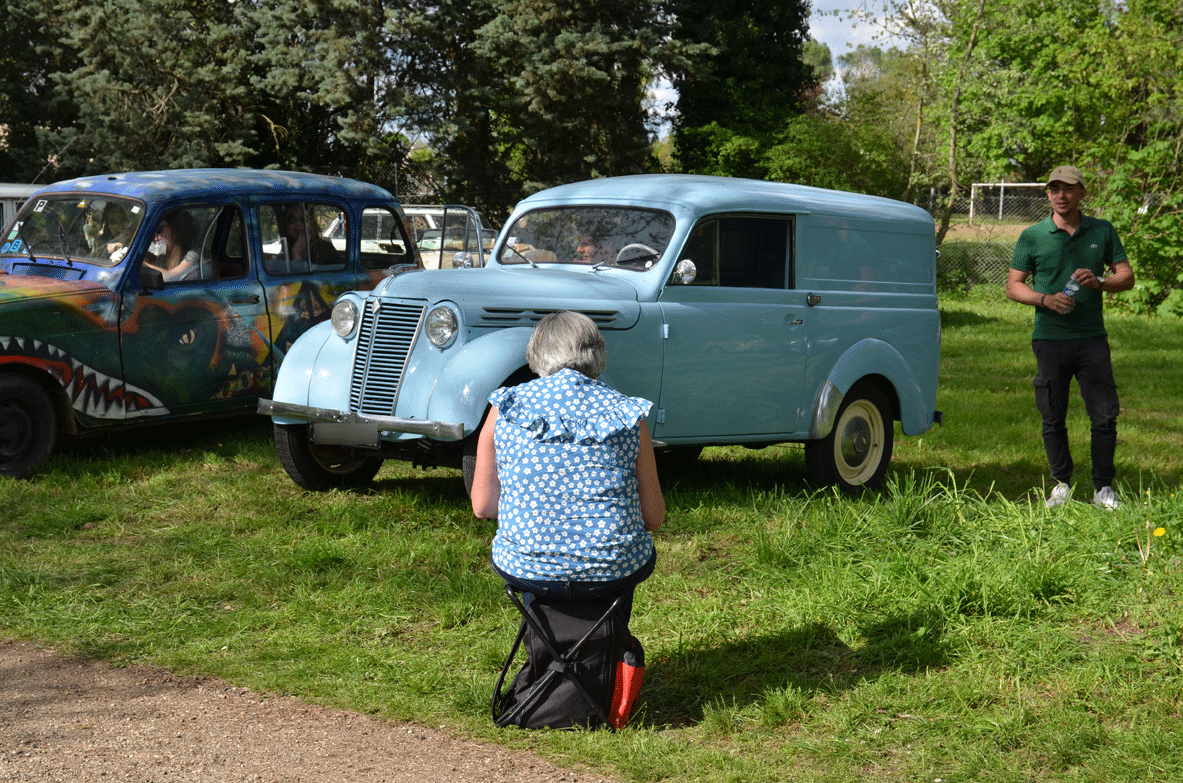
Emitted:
pixel 570 672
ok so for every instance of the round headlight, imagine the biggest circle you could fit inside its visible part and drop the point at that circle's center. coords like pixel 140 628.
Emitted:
pixel 344 317
pixel 440 326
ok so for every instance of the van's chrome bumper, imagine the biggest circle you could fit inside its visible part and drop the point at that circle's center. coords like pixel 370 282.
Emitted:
pixel 354 428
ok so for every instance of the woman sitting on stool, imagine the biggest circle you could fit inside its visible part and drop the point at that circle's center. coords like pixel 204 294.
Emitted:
pixel 565 463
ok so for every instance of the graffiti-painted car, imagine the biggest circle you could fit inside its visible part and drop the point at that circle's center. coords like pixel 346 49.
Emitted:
pixel 151 296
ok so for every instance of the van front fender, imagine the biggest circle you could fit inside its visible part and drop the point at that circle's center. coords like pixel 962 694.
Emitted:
pixel 462 388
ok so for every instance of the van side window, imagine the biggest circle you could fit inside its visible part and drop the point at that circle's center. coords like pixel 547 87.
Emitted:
pixel 740 252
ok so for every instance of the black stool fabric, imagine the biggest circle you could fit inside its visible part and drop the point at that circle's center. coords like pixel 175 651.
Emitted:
pixel 573 650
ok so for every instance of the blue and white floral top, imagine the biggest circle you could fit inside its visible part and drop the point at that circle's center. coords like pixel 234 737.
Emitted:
pixel 566 458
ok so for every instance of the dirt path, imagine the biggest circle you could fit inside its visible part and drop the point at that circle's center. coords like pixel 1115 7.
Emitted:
pixel 64 719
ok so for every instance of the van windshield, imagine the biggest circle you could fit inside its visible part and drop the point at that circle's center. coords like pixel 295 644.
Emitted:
pixel 622 237
pixel 95 229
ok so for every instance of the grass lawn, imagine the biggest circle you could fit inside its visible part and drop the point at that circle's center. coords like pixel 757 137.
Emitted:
pixel 949 629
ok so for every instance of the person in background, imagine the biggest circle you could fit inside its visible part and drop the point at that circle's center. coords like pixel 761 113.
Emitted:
pixel 565 464
pixel 302 233
pixel 114 232
pixel 1069 339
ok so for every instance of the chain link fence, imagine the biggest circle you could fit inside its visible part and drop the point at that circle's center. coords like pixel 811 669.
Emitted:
pixel 981 239
pixel 411 181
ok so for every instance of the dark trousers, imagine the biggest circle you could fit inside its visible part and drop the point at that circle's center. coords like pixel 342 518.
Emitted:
pixel 584 591
pixel 1088 361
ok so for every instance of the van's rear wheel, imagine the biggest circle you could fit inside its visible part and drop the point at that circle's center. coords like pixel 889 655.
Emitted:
pixel 319 468
pixel 856 453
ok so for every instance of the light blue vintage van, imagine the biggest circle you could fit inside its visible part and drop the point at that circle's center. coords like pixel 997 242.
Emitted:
pixel 749 312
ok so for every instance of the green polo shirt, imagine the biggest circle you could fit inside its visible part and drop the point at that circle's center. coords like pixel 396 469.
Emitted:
pixel 1050 255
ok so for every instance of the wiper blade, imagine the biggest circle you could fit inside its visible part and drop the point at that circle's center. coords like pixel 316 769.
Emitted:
pixel 20 233
pixel 518 253
pixel 64 244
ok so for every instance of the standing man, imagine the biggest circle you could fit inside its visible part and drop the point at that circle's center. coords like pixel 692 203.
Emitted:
pixel 1069 338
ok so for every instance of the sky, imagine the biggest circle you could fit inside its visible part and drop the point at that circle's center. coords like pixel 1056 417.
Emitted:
pixel 839 34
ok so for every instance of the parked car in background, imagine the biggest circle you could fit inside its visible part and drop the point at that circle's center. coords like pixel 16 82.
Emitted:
pixel 97 330
pixel 12 196
pixel 749 312
pixel 450 236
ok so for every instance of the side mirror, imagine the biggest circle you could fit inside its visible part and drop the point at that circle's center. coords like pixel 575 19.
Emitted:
pixel 151 279
pixel 685 271
pixel 462 261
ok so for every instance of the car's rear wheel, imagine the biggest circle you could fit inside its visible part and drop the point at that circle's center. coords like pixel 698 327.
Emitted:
pixel 28 425
pixel 319 468
pixel 856 453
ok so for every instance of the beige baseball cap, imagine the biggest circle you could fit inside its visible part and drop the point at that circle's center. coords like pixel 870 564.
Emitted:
pixel 1069 175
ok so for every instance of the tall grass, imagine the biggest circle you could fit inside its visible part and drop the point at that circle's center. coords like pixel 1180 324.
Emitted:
pixel 950 628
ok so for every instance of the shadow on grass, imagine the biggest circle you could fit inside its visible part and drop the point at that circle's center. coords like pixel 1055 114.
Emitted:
pixel 680 688
pixel 958 319
pixel 736 469
pixel 231 436
pixel 437 485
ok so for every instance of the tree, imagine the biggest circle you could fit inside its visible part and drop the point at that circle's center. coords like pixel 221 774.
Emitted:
pixel 1140 74
pixel 31 109
pixel 445 90
pixel 143 102
pixel 577 74
pixel 752 82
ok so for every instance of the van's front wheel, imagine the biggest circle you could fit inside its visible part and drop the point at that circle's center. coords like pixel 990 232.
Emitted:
pixel 856 453
pixel 319 468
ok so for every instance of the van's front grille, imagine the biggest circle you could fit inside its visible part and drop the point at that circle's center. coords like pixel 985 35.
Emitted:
pixel 384 341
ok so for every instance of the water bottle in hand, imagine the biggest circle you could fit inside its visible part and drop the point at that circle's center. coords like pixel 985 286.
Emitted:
pixel 1071 288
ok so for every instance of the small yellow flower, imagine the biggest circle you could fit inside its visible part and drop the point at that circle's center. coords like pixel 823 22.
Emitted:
pixel 1160 531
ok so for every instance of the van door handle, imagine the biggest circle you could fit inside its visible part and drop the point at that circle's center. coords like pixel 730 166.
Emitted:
pixel 251 299
pixel 798 322
pixel 813 299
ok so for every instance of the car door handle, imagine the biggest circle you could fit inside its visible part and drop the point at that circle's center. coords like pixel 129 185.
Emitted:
pixel 798 322
pixel 252 299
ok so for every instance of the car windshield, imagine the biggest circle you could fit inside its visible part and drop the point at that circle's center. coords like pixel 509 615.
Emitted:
pixel 622 237
pixel 95 229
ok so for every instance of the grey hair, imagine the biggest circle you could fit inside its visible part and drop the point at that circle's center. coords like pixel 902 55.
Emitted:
pixel 566 340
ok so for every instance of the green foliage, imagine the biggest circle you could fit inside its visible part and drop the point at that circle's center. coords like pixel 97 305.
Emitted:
pixel 817 56
pixel 746 85
pixel 30 107
pixel 447 90
pixel 950 627
pixel 595 123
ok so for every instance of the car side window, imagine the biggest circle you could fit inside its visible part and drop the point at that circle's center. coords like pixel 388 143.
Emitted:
pixel 740 251
pixel 198 242
pixel 384 240
pixel 297 237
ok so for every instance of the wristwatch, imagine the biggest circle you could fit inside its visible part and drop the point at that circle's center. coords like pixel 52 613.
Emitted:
pixel 1100 284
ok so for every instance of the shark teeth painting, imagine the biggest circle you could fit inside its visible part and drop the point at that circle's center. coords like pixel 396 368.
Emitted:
pixel 93 394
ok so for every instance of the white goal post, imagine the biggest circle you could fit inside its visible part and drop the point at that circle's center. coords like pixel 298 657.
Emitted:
pixel 1002 188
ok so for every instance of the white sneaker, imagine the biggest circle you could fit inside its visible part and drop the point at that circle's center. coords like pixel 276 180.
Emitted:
pixel 1106 499
pixel 1061 493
